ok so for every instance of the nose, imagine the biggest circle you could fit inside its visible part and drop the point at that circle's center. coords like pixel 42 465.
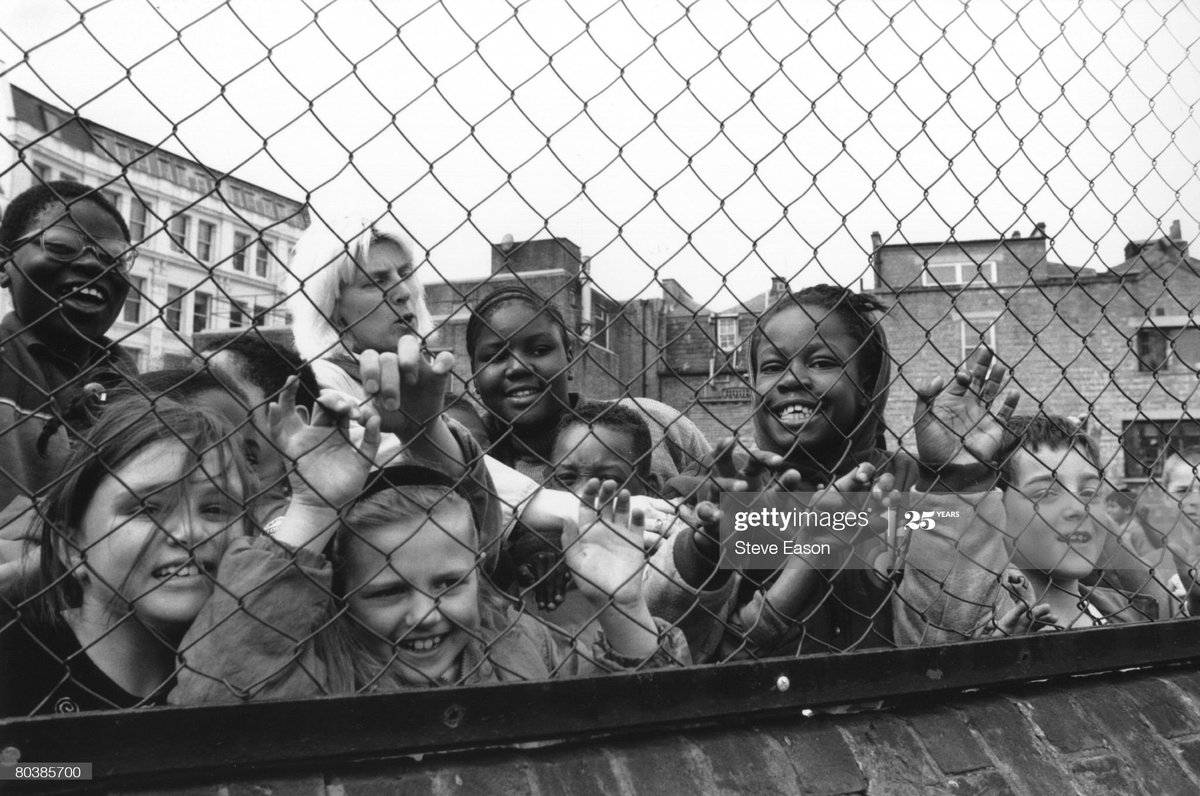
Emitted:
pixel 1075 509
pixel 516 365
pixel 795 376
pixel 182 528
pixel 399 293
pixel 423 611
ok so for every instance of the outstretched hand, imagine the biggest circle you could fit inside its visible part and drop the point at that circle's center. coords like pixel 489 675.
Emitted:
pixel 604 549
pixel 327 468
pixel 1025 615
pixel 405 389
pixel 955 425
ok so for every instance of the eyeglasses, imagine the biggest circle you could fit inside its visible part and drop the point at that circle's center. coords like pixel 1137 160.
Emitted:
pixel 67 245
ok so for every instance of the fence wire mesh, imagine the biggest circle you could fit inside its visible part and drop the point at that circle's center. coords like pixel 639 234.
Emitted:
pixel 363 346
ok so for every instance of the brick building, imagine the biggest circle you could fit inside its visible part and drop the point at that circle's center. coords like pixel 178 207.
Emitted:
pixel 211 247
pixel 1120 346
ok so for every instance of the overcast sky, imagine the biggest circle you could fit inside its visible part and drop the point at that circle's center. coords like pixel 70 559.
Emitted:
pixel 707 141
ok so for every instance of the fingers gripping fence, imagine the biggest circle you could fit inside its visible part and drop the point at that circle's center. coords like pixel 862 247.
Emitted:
pixel 363 347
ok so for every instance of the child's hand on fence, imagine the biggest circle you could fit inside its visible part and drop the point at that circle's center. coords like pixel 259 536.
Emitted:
pixel 955 425
pixel 328 469
pixel 405 389
pixel 605 548
pixel 547 574
pixel 1024 616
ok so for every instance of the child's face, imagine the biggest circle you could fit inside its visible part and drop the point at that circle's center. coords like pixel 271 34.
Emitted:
pixel 376 308
pixel 1049 510
pixel 152 546
pixel 605 453
pixel 250 421
pixel 68 300
pixel 808 383
pixel 1179 507
pixel 413 585
pixel 521 366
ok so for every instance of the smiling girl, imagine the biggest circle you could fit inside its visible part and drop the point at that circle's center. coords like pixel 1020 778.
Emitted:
pixel 65 251
pixel 521 357
pixel 131 536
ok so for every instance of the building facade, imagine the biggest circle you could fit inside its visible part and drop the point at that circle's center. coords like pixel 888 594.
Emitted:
pixel 211 247
pixel 1119 347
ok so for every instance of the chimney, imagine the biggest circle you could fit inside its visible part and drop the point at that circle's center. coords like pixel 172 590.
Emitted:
pixel 1039 230
pixel 1015 235
pixel 877 258
pixel 1176 230
pixel 779 287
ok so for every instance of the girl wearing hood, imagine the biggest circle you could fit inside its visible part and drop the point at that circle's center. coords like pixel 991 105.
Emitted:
pixel 820 370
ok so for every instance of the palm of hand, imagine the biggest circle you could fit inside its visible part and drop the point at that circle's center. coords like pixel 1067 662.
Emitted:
pixel 958 429
pixel 605 563
pixel 327 466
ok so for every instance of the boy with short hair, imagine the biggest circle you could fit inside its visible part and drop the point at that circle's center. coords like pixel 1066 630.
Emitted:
pixel 605 441
pixel 1035 535
pixel 1051 481
pixel 596 439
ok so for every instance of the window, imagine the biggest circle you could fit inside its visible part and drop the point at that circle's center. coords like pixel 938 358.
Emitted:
pixel 600 322
pixel 260 315
pixel 41 171
pixel 139 211
pixel 201 304
pixel 974 330
pixel 69 175
pixel 177 228
pixel 132 313
pixel 173 311
pixel 1168 348
pixel 957 272
pixel 114 198
pixel 727 332
pixel 206 232
pixel 262 258
pixel 1146 443
pixel 237 316
pixel 241 241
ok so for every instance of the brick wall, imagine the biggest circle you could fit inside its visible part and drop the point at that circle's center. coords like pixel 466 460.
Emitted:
pixel 1070 344
pixel 1119 734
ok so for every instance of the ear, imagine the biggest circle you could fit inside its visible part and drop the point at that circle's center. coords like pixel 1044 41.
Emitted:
pixel 73 559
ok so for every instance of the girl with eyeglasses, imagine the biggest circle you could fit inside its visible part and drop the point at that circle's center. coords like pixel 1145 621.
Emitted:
pixel 65 252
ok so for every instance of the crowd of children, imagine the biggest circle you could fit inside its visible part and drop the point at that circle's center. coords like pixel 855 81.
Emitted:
pixel 274 523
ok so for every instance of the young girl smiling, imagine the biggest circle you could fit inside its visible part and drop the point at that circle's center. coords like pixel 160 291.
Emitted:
pixel 130 540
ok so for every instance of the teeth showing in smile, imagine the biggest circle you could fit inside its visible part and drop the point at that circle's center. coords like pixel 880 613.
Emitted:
pixel 187 570
pixel 795 415
pixel 427 644
pixel 1079 537
pixel 522 394
pixel 89 293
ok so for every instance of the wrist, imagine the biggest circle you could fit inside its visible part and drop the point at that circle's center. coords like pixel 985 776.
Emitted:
pixel 974 476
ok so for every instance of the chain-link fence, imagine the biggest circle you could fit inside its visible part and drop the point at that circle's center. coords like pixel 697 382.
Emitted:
pixel 368 346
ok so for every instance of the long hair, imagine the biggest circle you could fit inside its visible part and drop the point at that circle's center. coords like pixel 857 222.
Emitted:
pixel 126 427
pixel 345 645
pixel 328 259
